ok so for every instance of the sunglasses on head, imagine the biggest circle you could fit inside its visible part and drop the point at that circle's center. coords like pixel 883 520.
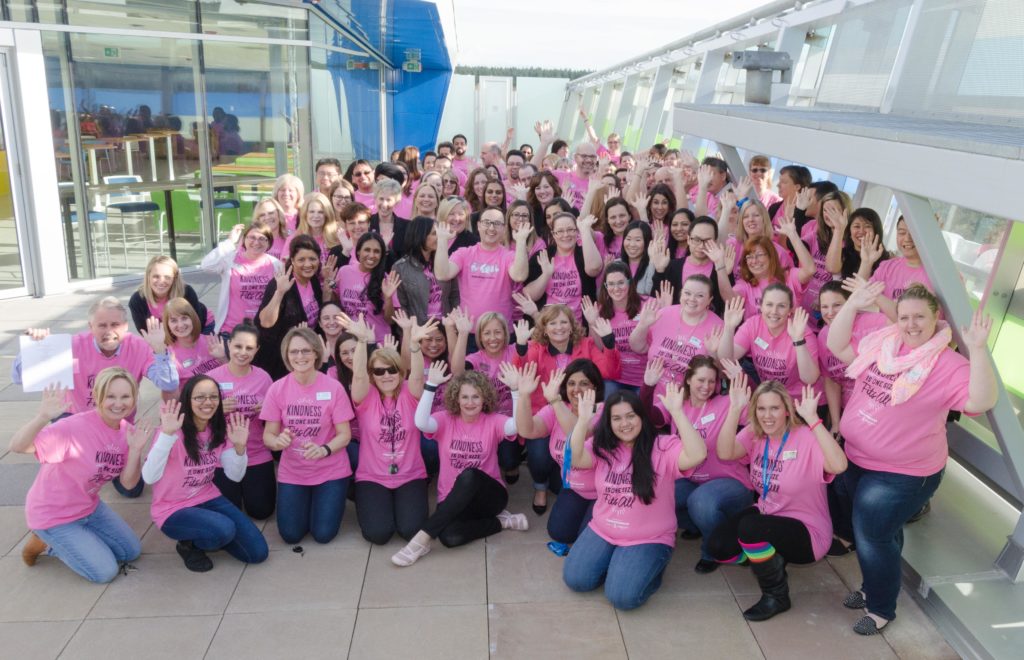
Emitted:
pixel 380 371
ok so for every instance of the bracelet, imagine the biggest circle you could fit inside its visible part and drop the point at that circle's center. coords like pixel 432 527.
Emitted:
pixel 430 387
pixel 799 342
pixel 814 425
pixel 329 450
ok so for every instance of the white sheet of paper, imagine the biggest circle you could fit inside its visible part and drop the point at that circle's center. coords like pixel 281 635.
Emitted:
pixel 46 362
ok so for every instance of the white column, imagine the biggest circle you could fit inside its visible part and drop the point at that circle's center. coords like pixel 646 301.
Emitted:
pixel 652 117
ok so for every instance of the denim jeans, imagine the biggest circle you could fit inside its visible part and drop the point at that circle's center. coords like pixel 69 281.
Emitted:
pixel 707 505
pixel 431 456
pixel 93 546
pixel 881 503
pixel 316 510
pixel 569 516
pixel 543 469
pixel 215 525
pixel 255 494
pixel 613 386
pixel 631 574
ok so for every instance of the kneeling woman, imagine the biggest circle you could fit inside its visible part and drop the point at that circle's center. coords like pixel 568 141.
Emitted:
pixel 629 541
pixel 471 496
pixel 186 504
pixel 307 416
pixel 790 464
pixel 77 455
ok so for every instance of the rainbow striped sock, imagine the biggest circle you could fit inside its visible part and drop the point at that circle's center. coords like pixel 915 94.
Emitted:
pixel 758 552
pixel 738 559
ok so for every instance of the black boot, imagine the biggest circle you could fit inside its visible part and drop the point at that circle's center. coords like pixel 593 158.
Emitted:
pixel 771 577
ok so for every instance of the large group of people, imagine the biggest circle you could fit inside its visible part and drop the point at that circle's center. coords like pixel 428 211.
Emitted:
pixel 672 348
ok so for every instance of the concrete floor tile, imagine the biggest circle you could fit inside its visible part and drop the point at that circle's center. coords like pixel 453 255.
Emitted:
pixel 49 591
pixel 15 480
pixel 288 581
pixel 818 626
pixel 811 578
pixel 442 631
pixel 38 640
pixel 528 573
pixel 309 634
pixel 587 629
pixel 913 635
pixel 173 638
pixel 682 582
pixel 12 528
pixel 446 576
pixel 707 627
pixel 162 586
pixel 155 542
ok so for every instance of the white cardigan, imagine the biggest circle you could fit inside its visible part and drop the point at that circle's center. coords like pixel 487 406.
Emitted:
pixel 221 260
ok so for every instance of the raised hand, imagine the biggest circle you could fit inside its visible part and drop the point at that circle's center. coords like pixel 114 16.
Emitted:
pixel 653 372
pixel 863 293
pixel 664 297
pixel 734 311
pixel 716 253
pixel 528 380
pixel 544 261
pixel 520 191
pixel 522 329
pixel 553 387
pixel 361 330
pixel 808 405
pixel 602 326
pixel 658 253
pixel 390 342
pixel 545 131
pixel 713 340
pixel 154 335
pixel 804 198
pixel 836 217
pixel 284 280
pixel 586 223
pixel 510 376
pixel 38 334
pixel 705 174
pixel 140 434
pixel 590 311
pixel 787 227
pixel 730 255
pixel 870 249
pixel 236 234
pixel 729 199
pixel 171 417
pixel 732 369
pixel 639 202
pixel 739 392
pixel 585 407
pixel 438 374
pixel 421 332
pixel 215 347
pixel 976 334
pixel 746 186
pixel 329 273
pixel 390 284
pixel 649 312
pixel 673 398
pixel 238 430
pixel 797 324
pixel 54 402
pixel 347 244
pixel 522 234
pixel 445 233
pixel 525 303
pixel 402 320
pixel 463 321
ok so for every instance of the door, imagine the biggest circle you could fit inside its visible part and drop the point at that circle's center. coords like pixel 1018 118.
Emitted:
pixel 12 254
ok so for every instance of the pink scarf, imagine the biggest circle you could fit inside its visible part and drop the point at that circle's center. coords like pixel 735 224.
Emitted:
pixel 882 347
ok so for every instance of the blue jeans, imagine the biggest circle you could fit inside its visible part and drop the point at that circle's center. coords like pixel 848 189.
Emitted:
pixel 631 574
pixel 218 524
pixel 569 516
pixel 881 503
pixel 352 449
pixel 431 456
pixel 93 546
pixel 315 510
pixel 613 386
pixel 707 505
pixel 543 468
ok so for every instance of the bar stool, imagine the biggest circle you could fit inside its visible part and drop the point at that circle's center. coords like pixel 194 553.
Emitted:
pixel 127 204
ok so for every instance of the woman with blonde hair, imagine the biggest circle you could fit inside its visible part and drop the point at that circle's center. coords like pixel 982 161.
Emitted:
pixel 289 192
pixel 456 212
pixel 192 352
pixel 162 282
pixel 269 213
pixel 317 219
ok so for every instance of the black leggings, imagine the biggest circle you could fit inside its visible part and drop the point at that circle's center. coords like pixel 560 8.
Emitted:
pixel 256 493
pixel 470 510
pixel 382 511
pixel 789 536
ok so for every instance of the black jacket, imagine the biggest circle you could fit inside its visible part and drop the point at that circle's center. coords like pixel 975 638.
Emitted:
pixel 291 314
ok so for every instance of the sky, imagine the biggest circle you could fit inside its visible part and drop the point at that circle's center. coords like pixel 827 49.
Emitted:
pixel 573 34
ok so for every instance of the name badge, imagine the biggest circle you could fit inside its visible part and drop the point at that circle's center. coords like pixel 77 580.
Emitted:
pixel 323 396
pixel 188 363
pixel 227 386
pixel 707 419
pixel 760 343
pixel 694 341
pixel 789 455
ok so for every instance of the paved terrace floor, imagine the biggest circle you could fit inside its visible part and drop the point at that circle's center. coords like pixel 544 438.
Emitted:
pixel 500 598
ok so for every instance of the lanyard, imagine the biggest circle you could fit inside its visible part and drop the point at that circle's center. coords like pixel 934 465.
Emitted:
pixel 764 462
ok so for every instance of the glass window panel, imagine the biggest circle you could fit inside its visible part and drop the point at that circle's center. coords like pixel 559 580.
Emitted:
pixel 254 19
pixel 176 16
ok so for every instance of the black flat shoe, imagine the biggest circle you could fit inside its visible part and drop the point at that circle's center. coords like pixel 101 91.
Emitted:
pixel 839 549
pixel 687 535
pixel 705 566
pixel 922 512
pixel 540 509
pixel 511 477
pixel 195 559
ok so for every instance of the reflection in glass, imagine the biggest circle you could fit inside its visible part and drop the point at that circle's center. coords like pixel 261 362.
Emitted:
pixel 11 275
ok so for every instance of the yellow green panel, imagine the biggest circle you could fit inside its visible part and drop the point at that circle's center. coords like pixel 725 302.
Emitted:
pixel 1007 354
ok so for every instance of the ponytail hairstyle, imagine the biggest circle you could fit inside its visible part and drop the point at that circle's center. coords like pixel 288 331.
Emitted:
pixel 606 442
pixel 918 291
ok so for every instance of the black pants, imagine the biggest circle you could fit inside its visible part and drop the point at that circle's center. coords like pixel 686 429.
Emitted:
pixel 256 493
pixel 470 510
pixel 382 511
pixel 789 536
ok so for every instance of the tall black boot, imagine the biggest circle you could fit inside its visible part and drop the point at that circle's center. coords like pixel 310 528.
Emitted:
pixel 771 577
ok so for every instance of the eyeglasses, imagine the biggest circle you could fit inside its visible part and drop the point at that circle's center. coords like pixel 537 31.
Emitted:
pixel 342 198
pixel 296 352
pixel 381 371
pixel 205 398
pixel 756 256
pixel 520 216
pixel 563 232
pixel 258 238
pixel 492 223
pixel 621 284
pixel 700 242
pixel 758 170
pixel 587 159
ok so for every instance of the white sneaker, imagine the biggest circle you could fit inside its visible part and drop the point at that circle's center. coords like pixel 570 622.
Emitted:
pixel 516 521
pixel 410 554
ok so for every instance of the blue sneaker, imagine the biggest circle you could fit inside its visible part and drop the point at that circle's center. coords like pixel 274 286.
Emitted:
pixel 560 549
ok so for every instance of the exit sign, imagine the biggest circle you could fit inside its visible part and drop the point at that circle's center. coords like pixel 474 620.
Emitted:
pixel 412 67
pixel 110 51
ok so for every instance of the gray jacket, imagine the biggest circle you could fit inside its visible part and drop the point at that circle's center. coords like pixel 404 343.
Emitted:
pixel 415 288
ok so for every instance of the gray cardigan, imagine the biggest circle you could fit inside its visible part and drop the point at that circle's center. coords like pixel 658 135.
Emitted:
pixel 415 288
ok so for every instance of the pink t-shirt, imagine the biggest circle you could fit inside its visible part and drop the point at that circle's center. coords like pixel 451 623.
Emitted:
pixel 769 197
pixel 192 361
pixel 712 201
pixel 707 420
pixel 351 290
pixel 291 221
pixel 462 166
pixel 186 483
pixel 574 187
pixel 134 356
pixel 633 364
pixel 484 283
pixel 691 267
pixel 796 482
pixel 77 455
pixel 309 302
pixel 324 251
pixel 403 209
pixel 434 308
pixel 492 369
pixel 366 199
pixel 467 445
pixel 389 437
pixel 249 280
pixel 752 294
pixel 775 356
pixel 909 438
pixel 565 285
pixel 310 412
pixel 821 275
pixel 863 324
pixel 898 275
pixel 157 310
pixel 676 342
pixel 248 392
pixel 277 248
pixel 612 248
pixel 581 481
pixel 620 517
